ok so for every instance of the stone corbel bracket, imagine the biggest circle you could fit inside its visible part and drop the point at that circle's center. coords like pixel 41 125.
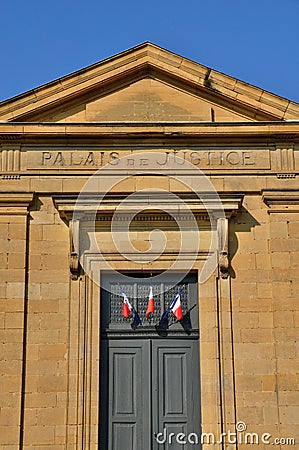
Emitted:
pixel 66 213
pixel 222 231
pixel 231 205
pixel 74 230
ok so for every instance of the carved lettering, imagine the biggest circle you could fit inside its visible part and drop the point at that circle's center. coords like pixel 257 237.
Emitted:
pixel 203 158
pixel 114 158
pixel 246 157
pixel 163 163
pixel 46 156
pixel 131 162
pixel 233 158
pixel 178 159
pixel 89 161
pixel 59 160
pixel 102 158
pixel 221 159
pixel 194 158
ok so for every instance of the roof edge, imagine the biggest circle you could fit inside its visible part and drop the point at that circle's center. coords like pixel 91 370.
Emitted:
pixel 153 55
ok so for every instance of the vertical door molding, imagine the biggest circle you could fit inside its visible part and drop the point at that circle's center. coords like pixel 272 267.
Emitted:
pixel 75 391
pixel 91 365
pixel 225 332
pixel 226 357
pixel 83 365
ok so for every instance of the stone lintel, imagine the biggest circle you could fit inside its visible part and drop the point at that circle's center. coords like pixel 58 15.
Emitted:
pixel 209 205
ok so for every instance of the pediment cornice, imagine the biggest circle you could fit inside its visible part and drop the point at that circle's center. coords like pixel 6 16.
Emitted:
pixel 149 60
pixel 258 131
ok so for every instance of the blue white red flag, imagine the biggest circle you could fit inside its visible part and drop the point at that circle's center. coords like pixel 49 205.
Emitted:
pixel 127 309
pixel 151 304
pixel 176 306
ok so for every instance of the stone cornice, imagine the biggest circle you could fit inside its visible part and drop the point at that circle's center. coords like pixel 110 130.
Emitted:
pixel 281 201
pixel 90 206
pixel 274 130
pixel 15 203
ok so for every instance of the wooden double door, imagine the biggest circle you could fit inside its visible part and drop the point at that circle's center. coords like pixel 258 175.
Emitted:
pixel 149 391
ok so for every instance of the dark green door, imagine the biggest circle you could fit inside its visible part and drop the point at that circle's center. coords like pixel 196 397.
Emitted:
pixel 149 385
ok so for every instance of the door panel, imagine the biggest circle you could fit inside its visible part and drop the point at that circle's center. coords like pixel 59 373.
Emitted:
pixel 174 375
pixel 175 381
pixel 151 385
pixel 124 435
pixel 128 399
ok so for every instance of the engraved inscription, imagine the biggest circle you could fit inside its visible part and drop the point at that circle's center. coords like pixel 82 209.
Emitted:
pixel 94 159
pixel 202 158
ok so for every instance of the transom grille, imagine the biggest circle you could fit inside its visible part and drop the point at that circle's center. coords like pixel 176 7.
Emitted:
pixel 138 295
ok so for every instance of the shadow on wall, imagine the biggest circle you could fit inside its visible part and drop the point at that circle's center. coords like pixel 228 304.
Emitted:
pixel 243 222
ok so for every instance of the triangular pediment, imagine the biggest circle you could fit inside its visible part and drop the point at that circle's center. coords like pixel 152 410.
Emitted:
pixel 147 84
pixel 146 100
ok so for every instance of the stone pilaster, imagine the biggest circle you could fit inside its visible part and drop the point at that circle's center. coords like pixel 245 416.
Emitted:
pixel 13 313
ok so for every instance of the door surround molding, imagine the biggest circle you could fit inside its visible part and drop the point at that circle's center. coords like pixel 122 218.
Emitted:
pixel 216 344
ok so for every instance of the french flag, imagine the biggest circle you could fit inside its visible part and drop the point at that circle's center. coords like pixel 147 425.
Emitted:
pixel 176 306
pixel 127 307
pixel 151 304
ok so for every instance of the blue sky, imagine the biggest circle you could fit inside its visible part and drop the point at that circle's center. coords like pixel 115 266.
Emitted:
pixel 255 41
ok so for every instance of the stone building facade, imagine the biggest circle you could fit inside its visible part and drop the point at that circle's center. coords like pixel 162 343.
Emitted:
pixel 144 125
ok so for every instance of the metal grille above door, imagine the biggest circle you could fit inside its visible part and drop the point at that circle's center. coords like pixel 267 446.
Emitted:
pixel 138 294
